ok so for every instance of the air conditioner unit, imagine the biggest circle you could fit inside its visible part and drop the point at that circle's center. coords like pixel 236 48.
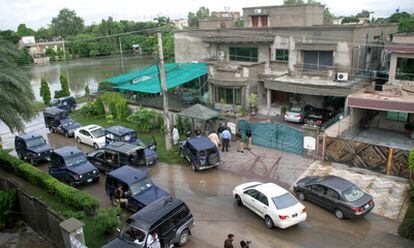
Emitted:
pixel 342 76
pixel 257 11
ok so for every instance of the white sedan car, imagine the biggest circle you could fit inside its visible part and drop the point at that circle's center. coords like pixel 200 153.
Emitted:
pixel 277 206
pixel 92 135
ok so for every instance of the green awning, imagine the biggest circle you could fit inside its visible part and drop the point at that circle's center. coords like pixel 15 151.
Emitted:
pixel 147 80
pixel 199 112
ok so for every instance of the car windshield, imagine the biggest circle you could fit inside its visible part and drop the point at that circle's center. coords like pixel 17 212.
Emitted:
pixel 295 109
pixel 284 201
pixel 353 194
pixel 129 137
pixel 141 186
pixel 133 234
pixel 66 122
pixel 75 159
pixel 97 133
pixel 38 141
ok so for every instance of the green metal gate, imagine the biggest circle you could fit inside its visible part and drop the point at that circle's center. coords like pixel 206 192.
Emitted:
pixel 275 136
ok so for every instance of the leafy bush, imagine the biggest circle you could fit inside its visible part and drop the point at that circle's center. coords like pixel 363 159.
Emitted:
pixel 104 86
pixel 73 197
pixel 87 90
pixel 117 104
pixel 406 229
pixel 89 109
pixel 109 119
pixel 75 214
pixel 7 203
pixel 146 119
pixel 109 219
pixel 100 108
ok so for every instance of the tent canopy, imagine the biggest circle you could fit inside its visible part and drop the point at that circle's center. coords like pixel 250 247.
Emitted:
pixel 199 112
pixel 147 80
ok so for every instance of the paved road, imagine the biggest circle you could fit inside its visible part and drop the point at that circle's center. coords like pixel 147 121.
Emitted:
pixel 208 195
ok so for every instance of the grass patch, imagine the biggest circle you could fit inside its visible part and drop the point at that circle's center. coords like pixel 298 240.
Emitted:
pixel 38 106
pixel 94 234
pixel 171 157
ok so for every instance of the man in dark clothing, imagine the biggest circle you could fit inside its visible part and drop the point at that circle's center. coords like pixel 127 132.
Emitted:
pixel 228 243
pixel 120 196
pixel 248 138
pixel 239 138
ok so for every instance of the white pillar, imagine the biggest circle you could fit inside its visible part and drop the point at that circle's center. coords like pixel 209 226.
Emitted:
pixel 269 101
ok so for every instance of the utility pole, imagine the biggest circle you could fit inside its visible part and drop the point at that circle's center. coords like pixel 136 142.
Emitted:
pixel 120 50
pixel 163 80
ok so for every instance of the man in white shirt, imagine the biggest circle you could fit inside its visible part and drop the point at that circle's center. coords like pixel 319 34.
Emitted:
pixel 175 135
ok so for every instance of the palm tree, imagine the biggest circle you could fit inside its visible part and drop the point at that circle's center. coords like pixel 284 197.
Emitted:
pixel 16 93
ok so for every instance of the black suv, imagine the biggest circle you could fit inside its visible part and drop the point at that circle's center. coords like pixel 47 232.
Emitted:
pixel 168 217
pixel 32 147
pixel 201 152
pixel 69 164
pixel 57 121
pixel 65 103
pixel 118 154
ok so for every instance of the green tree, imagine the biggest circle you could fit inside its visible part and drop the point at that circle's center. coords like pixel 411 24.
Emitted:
pixel 43 34
pixel 67 23
pixel 364 14
pixel 238 23
pixel 10 36
pixel 15 90
pixel 22 30
pixel 293 2
pixel 326 12
pixel 64 87
pixel 193 19
pixel 406 25
pixel 411 163
pixel 398 17
pixel 45 92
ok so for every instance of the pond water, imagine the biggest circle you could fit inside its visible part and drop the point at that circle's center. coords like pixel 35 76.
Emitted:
pixel 83 71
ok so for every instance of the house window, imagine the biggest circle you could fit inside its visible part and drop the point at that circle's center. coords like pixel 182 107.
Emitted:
pixel 282 54
pixel 317 60
pixel 397 116
pixel 250 54
pixel 228 95
pixel 405 69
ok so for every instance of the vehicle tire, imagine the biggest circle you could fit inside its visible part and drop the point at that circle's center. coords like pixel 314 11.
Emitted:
pixel 19 155
pixel 269 222
pixel 181 155
pixel 33 161
pixel 67 135
pixel 239 201
pixel 339 214
pixel 78 140
pixel 301 196
pixel 51 129
pixel 194 167
pixel 95 146
pixel 96 180
pixel 184 237
pixel 213 158
pixel 71 182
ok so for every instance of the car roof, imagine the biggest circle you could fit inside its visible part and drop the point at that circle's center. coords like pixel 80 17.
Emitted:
pixel 123 147
pixel 53 111
pixel 336 183
pixel 151 213
pixel 128 175
pixel 29 135
pixel 91 127
pixel 119 130
pixel 67 150
pixel 271 189
pixel 201 143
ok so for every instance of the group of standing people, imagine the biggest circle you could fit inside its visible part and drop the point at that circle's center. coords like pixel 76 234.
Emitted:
pixel 222 138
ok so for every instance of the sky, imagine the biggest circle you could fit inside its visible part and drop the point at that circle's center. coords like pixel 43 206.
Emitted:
pixel 38 13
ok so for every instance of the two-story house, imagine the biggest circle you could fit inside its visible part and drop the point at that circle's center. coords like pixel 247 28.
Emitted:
pixel 284 54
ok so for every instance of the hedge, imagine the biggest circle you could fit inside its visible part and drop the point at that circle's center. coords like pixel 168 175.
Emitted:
pixel 70 196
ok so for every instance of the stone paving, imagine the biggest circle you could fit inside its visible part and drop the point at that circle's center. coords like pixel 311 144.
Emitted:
pixel 265 164
pixel 389 193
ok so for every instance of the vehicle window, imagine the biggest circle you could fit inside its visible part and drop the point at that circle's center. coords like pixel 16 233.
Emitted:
pixel 133 234
pixel 38 141
pixel 111 157
pixel 252 193
pixel 332 193
pixel 66 122
pixel 263 199
pixel 75 159
pixel 318 188
pixel 284 201
pixel 353 194
pixel 296 109
pixel 97 133
pixel 141 186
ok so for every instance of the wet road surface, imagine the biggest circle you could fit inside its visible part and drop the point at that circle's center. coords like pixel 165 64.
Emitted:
pixel 208 194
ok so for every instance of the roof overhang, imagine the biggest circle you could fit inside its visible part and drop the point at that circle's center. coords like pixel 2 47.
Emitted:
pixel 369 101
